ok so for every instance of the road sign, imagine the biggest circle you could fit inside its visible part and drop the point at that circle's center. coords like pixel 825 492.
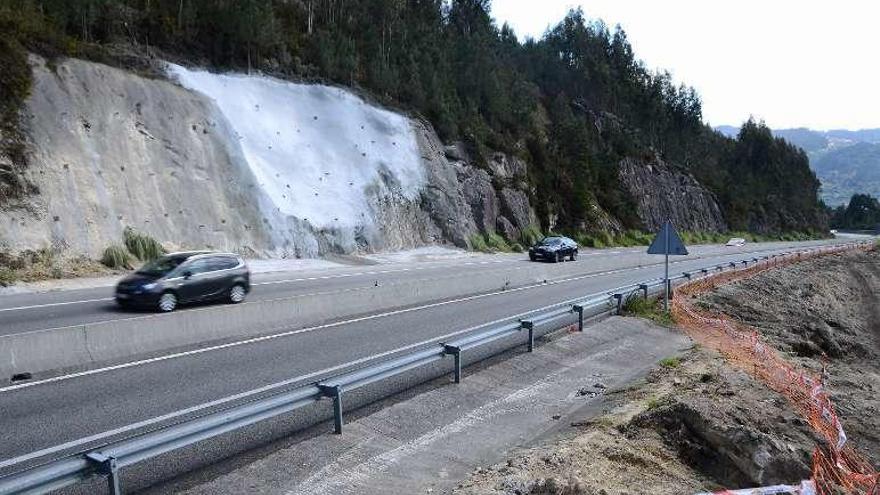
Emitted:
pixel 667 242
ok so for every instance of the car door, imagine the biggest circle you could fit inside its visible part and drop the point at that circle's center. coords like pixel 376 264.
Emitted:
pixel 196 283
pixel 218 276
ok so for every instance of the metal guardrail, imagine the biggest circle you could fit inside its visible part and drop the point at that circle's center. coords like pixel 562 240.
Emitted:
pixel 109 459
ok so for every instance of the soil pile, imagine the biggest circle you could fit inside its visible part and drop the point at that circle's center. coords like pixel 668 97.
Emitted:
pixel 697 424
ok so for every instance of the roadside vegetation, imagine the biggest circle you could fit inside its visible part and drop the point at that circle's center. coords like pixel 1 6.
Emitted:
pixel 650 308
pixel 116 257
pixel 48 263
pixel 572 104
pixel 142 246
pixel 45 264
pixel 862 213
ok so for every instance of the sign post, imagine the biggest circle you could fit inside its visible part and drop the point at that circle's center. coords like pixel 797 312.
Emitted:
pixel 667 242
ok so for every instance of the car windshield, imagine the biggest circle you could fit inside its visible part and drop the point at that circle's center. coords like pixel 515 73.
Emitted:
pixel 551 241
pixel 161 266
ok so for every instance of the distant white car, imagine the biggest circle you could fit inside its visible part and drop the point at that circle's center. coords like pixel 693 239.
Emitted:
pixel 736 241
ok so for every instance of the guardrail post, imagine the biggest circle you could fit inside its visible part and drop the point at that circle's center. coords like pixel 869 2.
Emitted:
pixel 687 275
pixel 644 289
pixel 456 354
pixel 732 264
pixel 335 393
pixel 619 305
pixel 106 465
pixel 528 325
pixel 577 308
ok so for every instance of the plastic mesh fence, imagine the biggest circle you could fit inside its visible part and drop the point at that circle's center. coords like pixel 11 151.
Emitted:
pixel 837 467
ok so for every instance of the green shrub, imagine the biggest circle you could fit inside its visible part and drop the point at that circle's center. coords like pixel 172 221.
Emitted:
pixel 638 306
pixel 496 243
pixel 530 235
pixel 141 245
pixel 116 257
pixel 478 243
pixel 7 276
pixel 670 362
pixel 591 241
pixel 516 247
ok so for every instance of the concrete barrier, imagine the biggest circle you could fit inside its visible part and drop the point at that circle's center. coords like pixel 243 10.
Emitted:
pixel 112 341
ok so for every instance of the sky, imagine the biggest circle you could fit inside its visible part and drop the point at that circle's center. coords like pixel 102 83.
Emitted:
pixel 792 63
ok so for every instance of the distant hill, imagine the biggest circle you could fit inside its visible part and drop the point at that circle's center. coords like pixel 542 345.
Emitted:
pixel 805 138
pixel 846 170
pixel 846 162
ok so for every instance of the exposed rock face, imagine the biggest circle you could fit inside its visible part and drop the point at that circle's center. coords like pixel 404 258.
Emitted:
pixel 480 195
pixel 112 149
pixel 443 198
pixel 662 193
pixel 505 166
pixel 515 205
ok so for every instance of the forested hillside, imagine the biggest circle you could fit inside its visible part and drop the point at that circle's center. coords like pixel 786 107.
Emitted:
pixel 572 104
pixel 862 213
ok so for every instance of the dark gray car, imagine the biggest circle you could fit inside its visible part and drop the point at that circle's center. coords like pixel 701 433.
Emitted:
pixel 181 278
pixel 554 248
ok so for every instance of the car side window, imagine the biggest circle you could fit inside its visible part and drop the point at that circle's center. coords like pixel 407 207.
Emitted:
pixel 226 263
pixel 198 266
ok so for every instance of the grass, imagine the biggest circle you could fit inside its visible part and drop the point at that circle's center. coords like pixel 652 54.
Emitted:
pixel 492 243
pixel 142 246
pixel 496 243
pixel 670 362
pixel 638 306
pixel 478 243
pixel 530 235
pixel 43 264
pixel 116 257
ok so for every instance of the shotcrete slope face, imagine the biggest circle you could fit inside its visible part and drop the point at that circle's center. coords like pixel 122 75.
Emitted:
pixel 318 152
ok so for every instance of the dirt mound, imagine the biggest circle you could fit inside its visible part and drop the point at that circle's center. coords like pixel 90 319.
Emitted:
pixel 822 312
pixel 697 424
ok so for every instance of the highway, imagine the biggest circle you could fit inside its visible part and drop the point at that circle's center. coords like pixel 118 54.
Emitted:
pixel 42 414
pixel 36 311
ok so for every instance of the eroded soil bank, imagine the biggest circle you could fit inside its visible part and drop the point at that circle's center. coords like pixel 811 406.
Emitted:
pixel 698 424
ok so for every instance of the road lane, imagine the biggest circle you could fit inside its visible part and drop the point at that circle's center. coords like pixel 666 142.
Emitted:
pixel 29 312
pixel 44 415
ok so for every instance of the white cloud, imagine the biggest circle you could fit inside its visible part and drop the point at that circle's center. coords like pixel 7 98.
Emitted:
pixel 793 63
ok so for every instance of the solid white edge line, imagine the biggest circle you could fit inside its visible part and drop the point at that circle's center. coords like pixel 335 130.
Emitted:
pixel 343 275
pixel 266 388
pixel 312 329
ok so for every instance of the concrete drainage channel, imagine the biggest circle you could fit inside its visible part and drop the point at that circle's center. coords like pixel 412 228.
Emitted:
pixel 109 459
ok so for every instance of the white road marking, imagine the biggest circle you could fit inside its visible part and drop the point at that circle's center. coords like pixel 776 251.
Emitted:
pixel 266 388
pixel 328 325
pixel 272 282
pixel 48 305
pixel 349 275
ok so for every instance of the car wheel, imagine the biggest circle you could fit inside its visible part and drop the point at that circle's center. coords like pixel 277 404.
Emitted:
pixel 167 302
pixel 574 255
pixel 237 293
pixel 532 257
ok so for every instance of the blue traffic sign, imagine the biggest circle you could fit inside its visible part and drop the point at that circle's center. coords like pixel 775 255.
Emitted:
pixel 667 242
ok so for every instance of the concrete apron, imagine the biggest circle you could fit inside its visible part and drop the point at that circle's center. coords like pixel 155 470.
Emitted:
pixel 428 443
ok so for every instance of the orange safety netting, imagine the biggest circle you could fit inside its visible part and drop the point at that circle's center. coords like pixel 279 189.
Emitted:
pixel 836 465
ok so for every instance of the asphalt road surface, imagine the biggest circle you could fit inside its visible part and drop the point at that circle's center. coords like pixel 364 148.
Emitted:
pixel 36 311
pixel 40 415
